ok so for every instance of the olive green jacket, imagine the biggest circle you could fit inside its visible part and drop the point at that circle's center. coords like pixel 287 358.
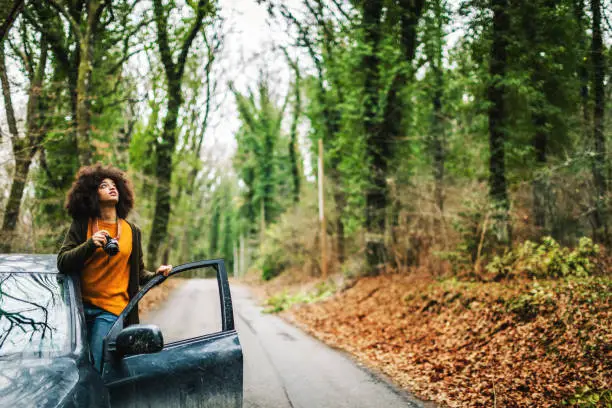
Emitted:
pixel 77 248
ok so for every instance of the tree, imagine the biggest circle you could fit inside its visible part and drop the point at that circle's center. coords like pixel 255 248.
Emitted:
pixel 549 89
pixel 498 119
pixel 384 118
pixel 320 33
pixel 10 12
pixel 600 161
pixel 378 148
pixel 434 44
pixel 165 145
pixel 583 70
pixel 75 53
pixel 98 96
pixel 293 149
pixel 259 159
pixel 24 148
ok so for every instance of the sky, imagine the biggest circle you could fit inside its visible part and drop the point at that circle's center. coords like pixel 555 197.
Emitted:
pixel 248 49
pixel 251 46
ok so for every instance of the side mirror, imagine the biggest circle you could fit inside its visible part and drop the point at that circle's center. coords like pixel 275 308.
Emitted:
pixel 139 339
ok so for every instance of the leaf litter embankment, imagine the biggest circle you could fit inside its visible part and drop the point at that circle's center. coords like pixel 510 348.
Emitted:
pixel 157 296
pixel 513 344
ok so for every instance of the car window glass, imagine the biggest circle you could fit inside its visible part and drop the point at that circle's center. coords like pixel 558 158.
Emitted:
pixel 34 316
pixel 185 306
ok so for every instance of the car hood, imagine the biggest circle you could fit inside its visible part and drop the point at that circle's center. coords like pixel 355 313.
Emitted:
pixel 37 382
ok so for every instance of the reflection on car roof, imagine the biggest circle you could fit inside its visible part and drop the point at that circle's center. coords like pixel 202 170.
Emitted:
pixel 29 263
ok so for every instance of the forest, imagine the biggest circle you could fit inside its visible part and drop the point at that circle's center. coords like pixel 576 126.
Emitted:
pixel 463 141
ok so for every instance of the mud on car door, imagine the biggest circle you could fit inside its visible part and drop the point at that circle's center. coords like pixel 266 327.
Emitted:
pixel 205 371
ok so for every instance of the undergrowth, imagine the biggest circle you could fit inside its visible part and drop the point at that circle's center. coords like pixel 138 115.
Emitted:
pixel 589 398
pixel 285 300
pixel 547 260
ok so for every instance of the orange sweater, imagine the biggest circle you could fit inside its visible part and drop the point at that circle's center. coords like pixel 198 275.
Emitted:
pixel 104 279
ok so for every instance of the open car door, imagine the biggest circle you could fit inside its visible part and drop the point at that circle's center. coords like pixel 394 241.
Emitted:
pixel 205 371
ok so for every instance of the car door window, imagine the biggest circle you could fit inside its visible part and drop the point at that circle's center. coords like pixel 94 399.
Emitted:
pixel 191 307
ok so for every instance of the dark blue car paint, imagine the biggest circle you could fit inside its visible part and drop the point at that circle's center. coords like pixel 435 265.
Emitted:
pixel 201 372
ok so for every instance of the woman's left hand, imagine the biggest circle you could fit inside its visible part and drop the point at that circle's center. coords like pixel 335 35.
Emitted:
pixel 164 269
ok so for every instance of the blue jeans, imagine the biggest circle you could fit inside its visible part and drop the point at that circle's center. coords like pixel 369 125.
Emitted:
pixel 99 323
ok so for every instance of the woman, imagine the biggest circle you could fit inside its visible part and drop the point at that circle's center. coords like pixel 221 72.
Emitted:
pixel 99 201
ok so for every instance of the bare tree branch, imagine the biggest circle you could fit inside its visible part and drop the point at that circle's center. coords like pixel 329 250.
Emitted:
pixel 162 38
pixel 10 18
pixel 73 24
pixel 195 28
pixel 341 10
pixel 56 43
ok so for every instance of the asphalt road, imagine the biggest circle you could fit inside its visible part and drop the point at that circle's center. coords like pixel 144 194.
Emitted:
pixel 283 366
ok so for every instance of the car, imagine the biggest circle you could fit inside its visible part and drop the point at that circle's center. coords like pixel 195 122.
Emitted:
pixel 45 359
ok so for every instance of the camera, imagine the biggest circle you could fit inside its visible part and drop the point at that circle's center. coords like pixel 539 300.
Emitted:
pixel 112 246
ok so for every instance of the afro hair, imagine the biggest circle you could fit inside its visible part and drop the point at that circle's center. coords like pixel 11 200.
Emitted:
pixel 82 199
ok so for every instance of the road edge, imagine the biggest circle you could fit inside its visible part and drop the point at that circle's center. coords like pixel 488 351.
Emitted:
pixel 369 370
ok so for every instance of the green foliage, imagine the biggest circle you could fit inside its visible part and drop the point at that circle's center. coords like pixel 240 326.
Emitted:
pixel 141 150
pixel 292 242
pixel 527 306
pixel 472 225
pixel 262 159
pixel 335 111
pixel 271 263
pixel 284 300
pixel 547 260
pixel 587 397
pixel 440 95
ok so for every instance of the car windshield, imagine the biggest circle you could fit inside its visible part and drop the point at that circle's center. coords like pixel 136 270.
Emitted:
pixel 34 316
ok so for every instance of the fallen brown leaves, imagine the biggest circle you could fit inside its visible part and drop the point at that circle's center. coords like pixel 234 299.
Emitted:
pixel 158 295
pixel 474 344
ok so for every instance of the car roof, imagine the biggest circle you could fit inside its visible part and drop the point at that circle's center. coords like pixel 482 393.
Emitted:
pixel 28 263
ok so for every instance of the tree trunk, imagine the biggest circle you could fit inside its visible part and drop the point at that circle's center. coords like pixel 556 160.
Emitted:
pixel 267 179
pixel 331 118
pixel 583 70
pixel 23 148
pixel 437 140
pixel 293 153
pixel 437 118
pixel 215 228
pixel 376 195
pixel 537 36
pixel 497 121
pixel 411 14
pixel 600 165
pixel 6 93
pixel 380 136
pixel 83 109
pixel 165 151
pixel 340 202
pixel 540 184
pixel 10 216
pixel 13 206
pixel 165 147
